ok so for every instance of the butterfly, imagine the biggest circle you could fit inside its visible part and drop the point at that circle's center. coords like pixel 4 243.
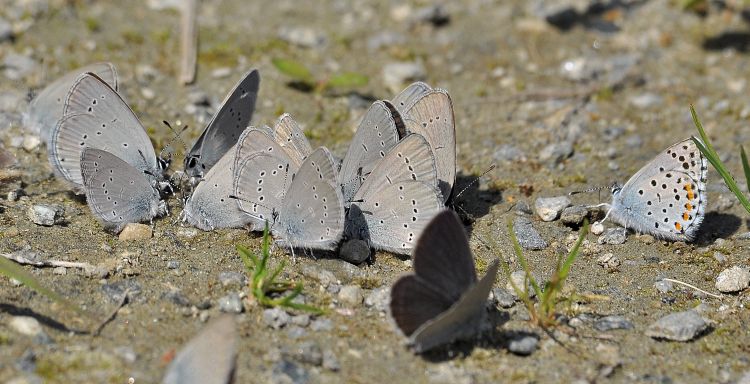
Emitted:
pixel 397 199
pixel 667 197
pixel 225 128
pixel 442 301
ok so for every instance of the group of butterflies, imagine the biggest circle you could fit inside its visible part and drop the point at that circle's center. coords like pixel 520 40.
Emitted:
pixel 390 189
pixel 396 175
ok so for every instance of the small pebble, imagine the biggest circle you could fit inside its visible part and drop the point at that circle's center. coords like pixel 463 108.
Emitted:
pixel 321 324
pixel 556 152
pixel 231 303
pixel 733 279
pixel 680 326
pixel 173 264
pixel 287 372
pixel 135 231
pixel 523 345
pixel 663 286
pixel 31 142
pixel 115 291
pixel 187 233
pixel 330 361
pixel 308 353
pixel 549 208
pixel 176 297
pixel 518 278
pixel 301 320
pixel 503 298
pixel 232 278
pixel 609 323
pixel 597 228
pixel 609 262
pixel 646 100
pixel 60 270
pixel 222 72
pixel 528 237
pixel 275 318
pixel 314 271
pixel 522 208
pixel 303 37
pixel 16 66
pixel 46 214
pixel 6 30
pixel 25 325
pixel 295 332
pixel 574 215
pixel 350 295
pixel 379 298
pixel 613 236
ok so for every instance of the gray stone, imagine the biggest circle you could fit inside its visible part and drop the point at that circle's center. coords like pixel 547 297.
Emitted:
pixel 330 361
pixel 574 215
pixel 288 372
pixel 115 291
pixel 646 100
pixel 6 30
pixel 173 264
pixel 231 303
pixel 345 272
pixel 301 320
pixel 733 279
pixel 613 236
pixel 522 208
pixel 232 278
pixel 275 318
pixel 27 361
pixel 609 323
pixel 663 286
pixel 295 332
pixel 303 37
pixel 556 152
pixel 355 251
pixel 25 325
pixel 518 278
pixel 503 298
pixel 549 208
pixel 187 233
pixel 597 228
pixel 680 326
pixel 379 298
pixel 609 262
pixel 176 297
pixel 527 235
pixel 307 353
pixel 321 324
pixel 350 295
pixel 523 345
pixel 385 39
pixel 16 66
pixel 395 75
pixel 509 153
pixel 46 214
pixel 314 271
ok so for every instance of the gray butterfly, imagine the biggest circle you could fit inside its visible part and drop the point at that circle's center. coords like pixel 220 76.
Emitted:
pixel 375 136
pixel 47 107
pixel 442 301
pixel 305 209
pixel 96 116
pixel 212 204
pixel 116 192
pixel 667 197
pixel 225 128
pixel 285 137
pixel 209 357
pixel 429 112
pixel 397 199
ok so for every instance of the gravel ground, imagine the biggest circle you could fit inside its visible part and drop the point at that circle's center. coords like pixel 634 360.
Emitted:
pixel 561 96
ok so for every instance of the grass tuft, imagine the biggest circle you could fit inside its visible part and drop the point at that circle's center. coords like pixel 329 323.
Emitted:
pixel 309 82
pixel 704 145
pixel 265 286
pixel 543 312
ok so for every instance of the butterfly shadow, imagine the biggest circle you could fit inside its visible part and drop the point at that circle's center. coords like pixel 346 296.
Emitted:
pixel 717 226
pixel 470 202
pixel 738 40
pixel 489 336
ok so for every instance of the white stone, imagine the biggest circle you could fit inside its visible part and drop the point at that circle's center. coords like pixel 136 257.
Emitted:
pixel 733 279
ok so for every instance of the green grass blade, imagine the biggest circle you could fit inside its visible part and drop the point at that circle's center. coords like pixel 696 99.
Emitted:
pixel 573 254
pixel 294 69
pixel 704 145
pixel 745 166
pixel 247 257
pixel 12 270
pixel 521 259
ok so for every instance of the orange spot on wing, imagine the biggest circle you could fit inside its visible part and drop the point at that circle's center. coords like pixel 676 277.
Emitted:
pixel 678 226
pixel 690 193
pixel 685 217
pixel 689 207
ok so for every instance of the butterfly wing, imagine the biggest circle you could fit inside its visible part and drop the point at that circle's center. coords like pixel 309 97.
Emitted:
pixel 461 321
pixel 667 197
pixel 97 117
pixel 406 99
pixel 375 136
pixel 415 302
pixel 394 218
pixel 260 184
pixel 432 117
pixel 410 159
pixel 226 126
pixel 211 205
pixel 116 192
pixel 312 212
pixel 47 107
pixel 254 141
pixel 209 357
pixel 290 137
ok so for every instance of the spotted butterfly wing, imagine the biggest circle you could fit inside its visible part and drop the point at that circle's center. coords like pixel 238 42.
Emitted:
pixel 375 136
pixel 290 137
pixel 116 192
pixel 260 184
pixel 667 197
pixel 406 99
pixel 226 126
pixel 311 215
pixel 48 106
pixel 97 117
pixel 442 301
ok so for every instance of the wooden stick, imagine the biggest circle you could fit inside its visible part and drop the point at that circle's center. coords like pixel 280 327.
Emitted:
pixel 48 263
pixel 189 40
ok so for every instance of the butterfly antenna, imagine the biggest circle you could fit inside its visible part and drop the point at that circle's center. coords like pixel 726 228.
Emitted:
pixel 587 190
pixel 177 137
pixel 476 179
